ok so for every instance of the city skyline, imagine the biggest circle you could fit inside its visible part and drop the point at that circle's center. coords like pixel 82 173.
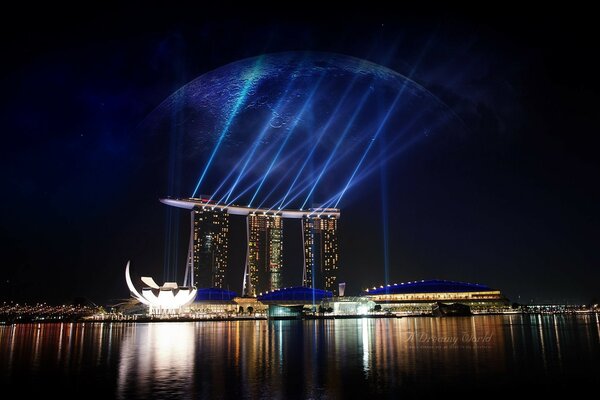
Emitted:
pixel 507 200
pixel 250 202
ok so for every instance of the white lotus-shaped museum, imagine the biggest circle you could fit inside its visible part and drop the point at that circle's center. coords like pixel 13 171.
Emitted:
pixel 166 299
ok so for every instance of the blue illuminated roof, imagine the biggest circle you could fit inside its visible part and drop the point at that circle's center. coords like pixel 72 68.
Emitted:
pixel 429 286
pixel 299 293
pixel 215 294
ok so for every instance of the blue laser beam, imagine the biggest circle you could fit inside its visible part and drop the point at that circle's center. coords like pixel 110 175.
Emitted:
pixel 302 186
pixel 322 131
pixel 322 208
pixel 255 182
pixel 370 168
pixel 392 144
pixel 349 125
pixel 384 213
pixel 370 145
pixel 375 165
pixel 254 73
pixel 354 178
pixel 307 182
pixel 234 169
pixel 388 114
pixel 282 162
pixel 256 144
pixel 279 182
pixel 224 181
pixel 307 102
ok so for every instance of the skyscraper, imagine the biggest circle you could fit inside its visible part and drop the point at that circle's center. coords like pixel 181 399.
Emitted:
pixel 208 253
pixel 209 236
pixel 275 242
pixel 265 253
pixel 321 256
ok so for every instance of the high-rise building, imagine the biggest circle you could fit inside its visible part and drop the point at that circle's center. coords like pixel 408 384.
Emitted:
pixel 208 253
pixel 265 253
pixel 275 241
pixel 321 256
pixel 207 260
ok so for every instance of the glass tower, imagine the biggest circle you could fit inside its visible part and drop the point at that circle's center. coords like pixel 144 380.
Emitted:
pixel 265 253
pixel 208 252
pixel 321 255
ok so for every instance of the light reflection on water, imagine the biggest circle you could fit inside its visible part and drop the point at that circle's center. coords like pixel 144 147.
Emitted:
pixel 300 359
pixel 165 352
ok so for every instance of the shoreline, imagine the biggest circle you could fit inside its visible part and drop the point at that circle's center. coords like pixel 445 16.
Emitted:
pixel 262 318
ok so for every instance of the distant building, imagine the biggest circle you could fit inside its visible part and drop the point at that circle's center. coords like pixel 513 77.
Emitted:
pixel 421 295
pixel 214 295
pixel 214 302
pixel 295 296
pixel 285 312
pixel 293 301
pixel 321 251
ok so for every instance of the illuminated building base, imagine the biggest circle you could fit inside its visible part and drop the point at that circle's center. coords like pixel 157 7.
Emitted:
pixel 168 299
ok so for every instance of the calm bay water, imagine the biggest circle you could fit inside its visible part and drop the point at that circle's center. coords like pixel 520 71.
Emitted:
pixel 417 357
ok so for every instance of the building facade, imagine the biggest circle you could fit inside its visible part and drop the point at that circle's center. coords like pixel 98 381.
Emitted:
pixel 420 296
pixel 208 253
pixel 265 253
pixel 321 251
pixel 207 260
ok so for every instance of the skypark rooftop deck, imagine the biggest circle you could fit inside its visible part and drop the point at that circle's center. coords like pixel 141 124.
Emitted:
pixel 233 209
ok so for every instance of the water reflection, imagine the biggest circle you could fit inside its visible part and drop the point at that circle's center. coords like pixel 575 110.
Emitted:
pixel 366 341
pixel 156 360
pixel 300 359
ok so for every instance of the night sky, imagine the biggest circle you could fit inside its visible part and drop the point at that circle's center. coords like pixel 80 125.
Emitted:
pixel 512 202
